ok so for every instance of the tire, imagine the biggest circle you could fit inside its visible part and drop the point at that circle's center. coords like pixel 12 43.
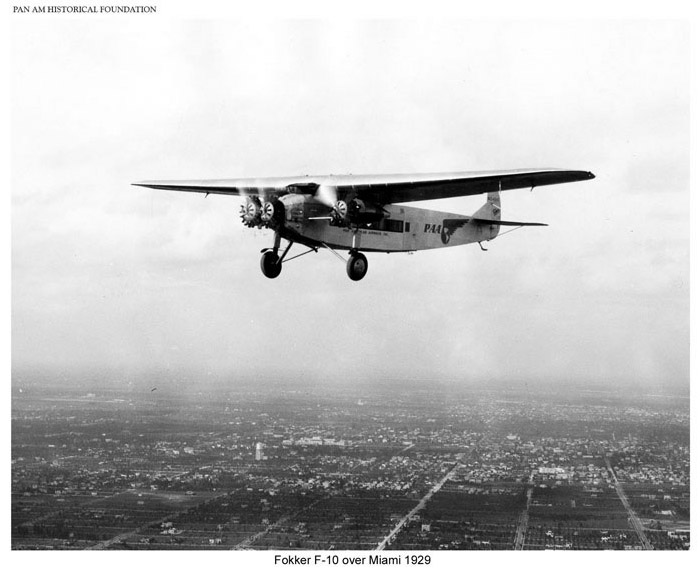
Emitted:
pixel 269 265
pixel 357 266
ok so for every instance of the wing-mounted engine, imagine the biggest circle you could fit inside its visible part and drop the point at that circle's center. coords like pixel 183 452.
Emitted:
pixel 345 208
pixel 354 212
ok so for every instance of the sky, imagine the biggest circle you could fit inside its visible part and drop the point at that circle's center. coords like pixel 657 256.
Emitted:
pixel 107 276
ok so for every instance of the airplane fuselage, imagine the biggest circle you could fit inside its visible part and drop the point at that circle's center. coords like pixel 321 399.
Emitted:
pixel 402 229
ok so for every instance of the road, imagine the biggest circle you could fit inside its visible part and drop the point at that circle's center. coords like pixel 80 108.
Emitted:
pixel 522 523
pixel 634 520
pixel 437 487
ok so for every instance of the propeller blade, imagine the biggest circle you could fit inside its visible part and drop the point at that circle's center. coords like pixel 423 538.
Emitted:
pixel 327 195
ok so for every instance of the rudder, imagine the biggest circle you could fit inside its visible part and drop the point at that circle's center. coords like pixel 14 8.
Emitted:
pixel 490 211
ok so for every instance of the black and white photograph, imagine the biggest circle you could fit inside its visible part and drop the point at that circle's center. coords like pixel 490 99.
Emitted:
pixel 344 289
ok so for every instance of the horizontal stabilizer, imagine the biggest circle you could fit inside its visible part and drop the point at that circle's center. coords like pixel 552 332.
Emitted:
pixel 453 224
pixel 482 222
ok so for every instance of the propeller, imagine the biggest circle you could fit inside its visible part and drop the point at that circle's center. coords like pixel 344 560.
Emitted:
pixel 251 211
pixel 340 210
pixel 327 195
pixel 268 211
pixel 258 207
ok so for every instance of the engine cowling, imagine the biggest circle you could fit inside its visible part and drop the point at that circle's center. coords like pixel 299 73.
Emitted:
pixel 258 213
pixel 354 212
pixel 272 213
pixel 251 212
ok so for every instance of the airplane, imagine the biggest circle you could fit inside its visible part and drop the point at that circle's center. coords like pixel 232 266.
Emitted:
pixel 365 213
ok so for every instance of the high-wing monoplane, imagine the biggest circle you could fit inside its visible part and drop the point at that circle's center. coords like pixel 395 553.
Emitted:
pixel 365 213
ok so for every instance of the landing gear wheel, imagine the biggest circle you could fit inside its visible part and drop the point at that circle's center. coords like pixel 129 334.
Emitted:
pixel 357 266
pixel 270 265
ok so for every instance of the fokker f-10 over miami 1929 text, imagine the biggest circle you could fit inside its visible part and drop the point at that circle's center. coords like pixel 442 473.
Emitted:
pixel 363 213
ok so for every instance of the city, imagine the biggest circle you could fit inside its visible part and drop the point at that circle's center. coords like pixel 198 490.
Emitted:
pixel 170 465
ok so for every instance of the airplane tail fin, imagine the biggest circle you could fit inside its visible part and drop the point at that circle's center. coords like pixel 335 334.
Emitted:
pixel 487 218
pixel 490 211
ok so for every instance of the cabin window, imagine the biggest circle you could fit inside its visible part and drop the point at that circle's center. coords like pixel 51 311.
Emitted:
pixel 407 227
pixel 392 226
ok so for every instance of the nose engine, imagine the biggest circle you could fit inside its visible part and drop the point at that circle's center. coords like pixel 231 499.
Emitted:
pixel 258 214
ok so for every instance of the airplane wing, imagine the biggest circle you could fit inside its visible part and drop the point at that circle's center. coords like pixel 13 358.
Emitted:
pixel 382 189
pixel 439 186
pixel 238 187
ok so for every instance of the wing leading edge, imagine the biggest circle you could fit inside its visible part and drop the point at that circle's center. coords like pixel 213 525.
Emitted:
pixel 383 189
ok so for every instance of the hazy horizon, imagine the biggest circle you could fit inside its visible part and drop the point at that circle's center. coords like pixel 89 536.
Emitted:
pixel 186 381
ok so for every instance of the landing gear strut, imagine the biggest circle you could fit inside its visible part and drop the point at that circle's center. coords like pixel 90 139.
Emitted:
pixel 356 266
pixel 271 260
